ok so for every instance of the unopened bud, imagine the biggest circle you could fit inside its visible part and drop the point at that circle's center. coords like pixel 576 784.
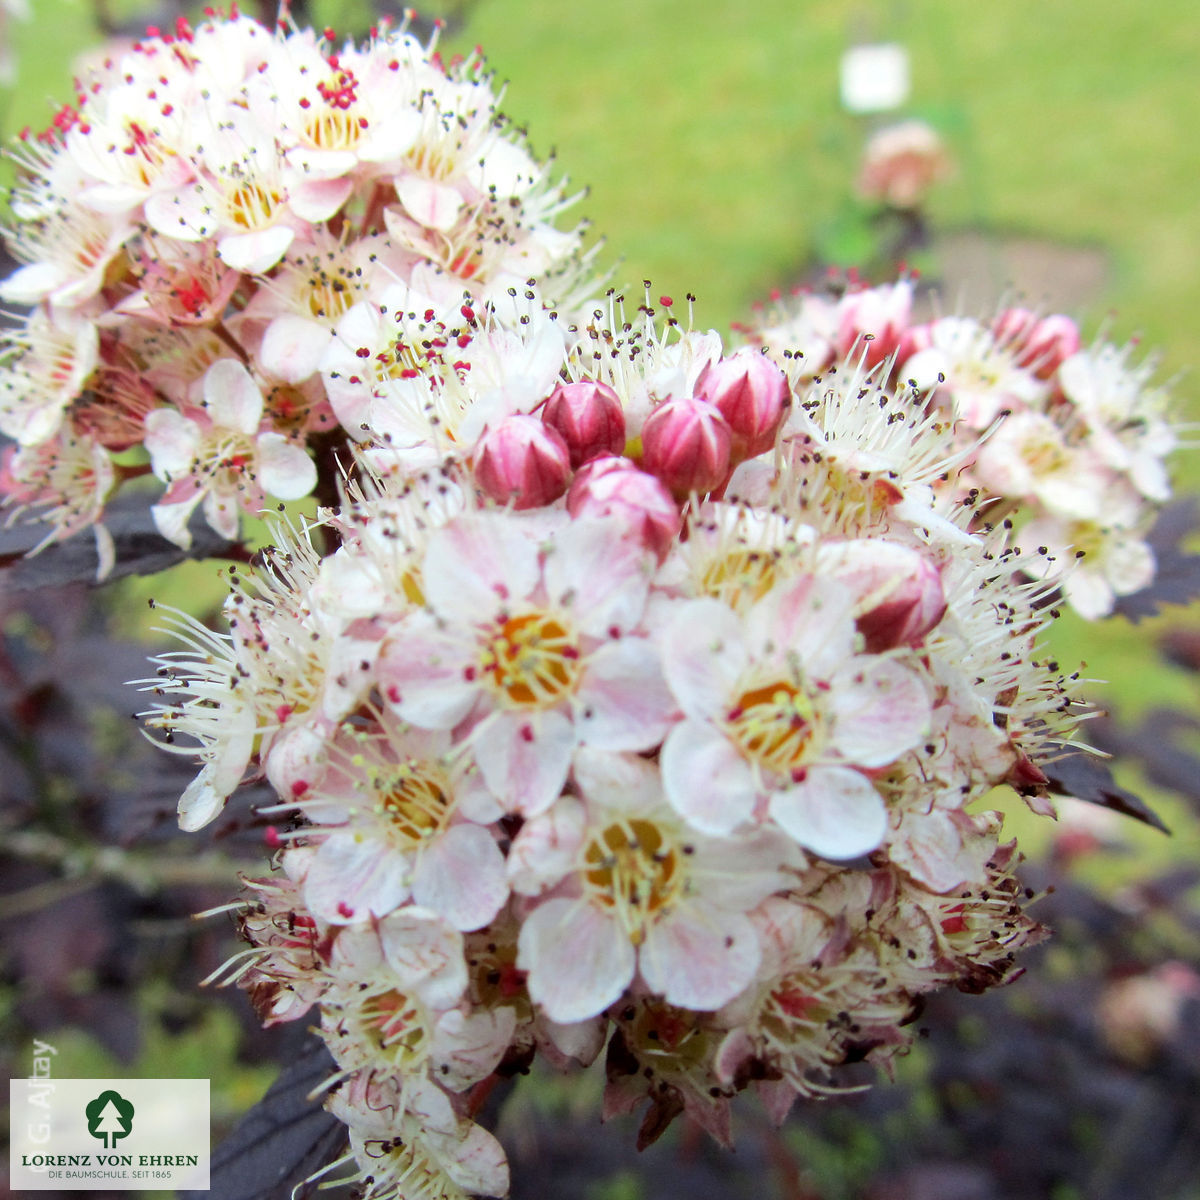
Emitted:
pixel 897 591
pixel 687 444
pixel 872 322
pixel 1039 344
pixel 614 487
pixel 523 461
pixel 588 417
pixel 751 393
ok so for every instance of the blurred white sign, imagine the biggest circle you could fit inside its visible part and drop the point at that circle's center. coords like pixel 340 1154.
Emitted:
pixel 875 78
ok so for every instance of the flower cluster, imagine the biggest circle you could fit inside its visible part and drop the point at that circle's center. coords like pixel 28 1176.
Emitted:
pixel 195 227
pixel 1068 440
pixel 646 700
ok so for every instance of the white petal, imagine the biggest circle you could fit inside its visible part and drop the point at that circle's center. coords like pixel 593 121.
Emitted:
pixel 704 654
pixel 478 563
pixel 254 253
pixel 706 780
pixel 231 396
pixel 623 702
pixel 700 958
pixel 435 205
pixel 284 468
pixel 579 961
pixel 353 877
pixel 292 347
pixel 524 758
pixel 462 877
pixel 835 812
pixel 879 709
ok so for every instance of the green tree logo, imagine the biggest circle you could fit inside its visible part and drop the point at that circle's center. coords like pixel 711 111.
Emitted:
pixel 109 1117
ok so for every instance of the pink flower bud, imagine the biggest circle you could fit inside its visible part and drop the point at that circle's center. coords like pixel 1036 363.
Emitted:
pixel 912 607
pixel 1040 344
pixel 687 444
pixel 589 418
pixel 880 314
pixel 751 393
pixel 524 461
pixel 897 591
pixel 614 487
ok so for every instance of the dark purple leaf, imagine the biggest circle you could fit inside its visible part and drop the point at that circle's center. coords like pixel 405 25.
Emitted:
pixel 1177 577
pixel 1087 777
pixel 140 548
pixel 283 1139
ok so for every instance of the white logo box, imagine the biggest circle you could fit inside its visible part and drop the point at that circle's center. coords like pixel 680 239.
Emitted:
pixel 108 1134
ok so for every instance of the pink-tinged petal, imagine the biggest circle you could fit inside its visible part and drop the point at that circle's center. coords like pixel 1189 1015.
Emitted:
pixel 706 780
pixel 353 878
pixel 318 199
pixel 777 1096
pixel 222 513
pixel 468 1048
pixel 284 468
pixel 171 520
pixel 598 574
pixel 736 1048
pixel 254 253
pixel 33 283
pixel 579 960
pixel 699 958
pixel 547 846
pixel 623 702
pixel 425 953
pixel 835 812
pixel 477 564
pixel 622 782
pixel 879 710
pixel 231 397
pixel 172 441
pixel 524 758
pixel 580 1041
pixel 810 617
pixel 183 213
pixel 461 877
pixel 476 1162
pixel 298 758
pixel 930 848
pixel 423 674
pixel 434 205
pixel 704 655
pixel 292 348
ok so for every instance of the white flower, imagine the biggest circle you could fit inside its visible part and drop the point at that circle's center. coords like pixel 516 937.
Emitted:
pixel 644 894
pixel 539 648
pixel 781 714
pixel 222 457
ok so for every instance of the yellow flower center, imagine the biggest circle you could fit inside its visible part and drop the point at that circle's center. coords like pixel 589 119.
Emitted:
pixel 740 577
pixel 632 868
pixel 415 803
pixel 252 206
pixel 333 129
pixel 393 1023
pixel 774 725
pixel 532 660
